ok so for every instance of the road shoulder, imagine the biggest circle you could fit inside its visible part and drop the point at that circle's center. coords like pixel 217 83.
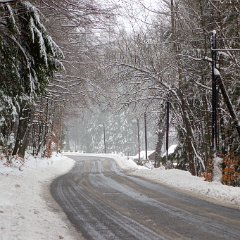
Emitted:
pixel 27 210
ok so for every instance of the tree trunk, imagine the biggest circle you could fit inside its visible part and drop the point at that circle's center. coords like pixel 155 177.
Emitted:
pixel 23 131
pixel 160 136
pixel 189 135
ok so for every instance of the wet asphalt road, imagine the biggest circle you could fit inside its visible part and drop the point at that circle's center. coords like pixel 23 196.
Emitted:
pixel 104 202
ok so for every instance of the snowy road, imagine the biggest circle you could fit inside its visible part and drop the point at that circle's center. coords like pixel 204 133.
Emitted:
pixel 104 202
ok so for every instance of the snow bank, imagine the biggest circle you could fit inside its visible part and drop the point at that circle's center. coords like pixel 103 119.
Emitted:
pixel 143 154
pixel 185 181
pixel 27 210
pixel 125 162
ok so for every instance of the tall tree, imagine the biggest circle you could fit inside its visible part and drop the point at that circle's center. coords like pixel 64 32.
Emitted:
pixel 33 57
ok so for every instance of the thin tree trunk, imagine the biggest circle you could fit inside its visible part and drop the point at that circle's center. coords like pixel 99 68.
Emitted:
pixel 160 136
pixel 189 135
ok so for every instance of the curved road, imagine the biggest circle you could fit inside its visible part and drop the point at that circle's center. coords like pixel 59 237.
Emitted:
pixel 104 202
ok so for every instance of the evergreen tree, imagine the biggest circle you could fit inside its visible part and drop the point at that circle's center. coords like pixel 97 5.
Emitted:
pixel 30 58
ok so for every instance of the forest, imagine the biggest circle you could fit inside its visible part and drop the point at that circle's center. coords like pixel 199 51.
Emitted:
pixel 176 60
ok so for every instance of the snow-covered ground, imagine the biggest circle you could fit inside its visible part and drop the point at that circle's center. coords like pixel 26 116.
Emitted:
pixel 185 181
pixel 27 210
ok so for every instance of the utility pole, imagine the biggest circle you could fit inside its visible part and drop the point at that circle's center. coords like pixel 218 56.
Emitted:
pixel 214 92
pixel 104 138
pixel 173 23
pixel 218 82
pixel 167 128
pixel 138 134
pixel 145 127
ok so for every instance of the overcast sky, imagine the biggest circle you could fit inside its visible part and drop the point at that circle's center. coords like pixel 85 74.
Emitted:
pixel 134 13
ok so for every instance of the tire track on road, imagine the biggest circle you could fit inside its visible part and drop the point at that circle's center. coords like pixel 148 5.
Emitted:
pixel 105 203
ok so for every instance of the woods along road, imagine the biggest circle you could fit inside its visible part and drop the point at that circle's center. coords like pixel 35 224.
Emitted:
pixel 104 202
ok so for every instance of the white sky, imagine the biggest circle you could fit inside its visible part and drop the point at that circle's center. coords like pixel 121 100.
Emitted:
pixel 134 13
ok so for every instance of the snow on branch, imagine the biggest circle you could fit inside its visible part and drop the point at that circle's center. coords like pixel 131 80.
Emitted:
pixel 33 11
pixel 41 43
